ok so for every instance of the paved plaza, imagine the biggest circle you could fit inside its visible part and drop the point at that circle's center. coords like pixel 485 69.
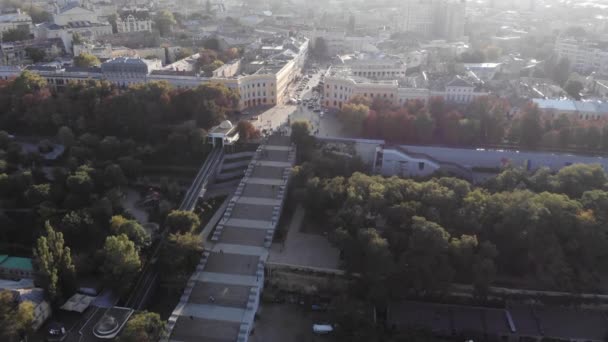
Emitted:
pixel 222 296
pixel 304 249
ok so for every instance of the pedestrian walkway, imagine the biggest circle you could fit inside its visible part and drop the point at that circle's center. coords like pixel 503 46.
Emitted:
pixel 246 223
pixel 225 289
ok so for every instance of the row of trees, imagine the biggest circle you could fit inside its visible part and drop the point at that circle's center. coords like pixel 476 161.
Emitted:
pixel 139 112
pixel 487 121
pixel 545 231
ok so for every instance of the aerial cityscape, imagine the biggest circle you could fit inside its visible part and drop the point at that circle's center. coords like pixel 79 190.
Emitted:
pixel 296 171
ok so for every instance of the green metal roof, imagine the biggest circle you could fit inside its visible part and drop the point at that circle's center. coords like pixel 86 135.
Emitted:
pixel 3 257
pixel 17 263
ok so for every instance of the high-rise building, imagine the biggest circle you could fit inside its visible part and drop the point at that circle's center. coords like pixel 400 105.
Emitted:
pixel 452 19
pixel 433 18
pixel 417 16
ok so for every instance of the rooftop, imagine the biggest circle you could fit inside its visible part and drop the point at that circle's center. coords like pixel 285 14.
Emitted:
pixel 549 322
pixel 596 107
pixel 17 263
pixel 459 82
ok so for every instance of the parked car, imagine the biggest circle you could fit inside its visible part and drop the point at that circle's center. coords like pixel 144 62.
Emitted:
pixel 322 329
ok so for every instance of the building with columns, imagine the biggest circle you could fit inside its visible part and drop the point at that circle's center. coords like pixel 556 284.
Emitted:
pixel 258 81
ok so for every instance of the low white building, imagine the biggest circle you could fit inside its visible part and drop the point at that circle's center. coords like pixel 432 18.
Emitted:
pixel 460 90
pixel 88 30
pixel 341 86
pixel 134 22
pixel 15 21
pixel 73 12
pixel 223 134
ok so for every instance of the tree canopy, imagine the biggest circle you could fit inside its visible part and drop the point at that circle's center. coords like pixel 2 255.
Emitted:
pixel 53 262
pixel 15 317
pixel 182 221
pixel 548 229
pixel 143 326
pixel 121 262
pixel 85 60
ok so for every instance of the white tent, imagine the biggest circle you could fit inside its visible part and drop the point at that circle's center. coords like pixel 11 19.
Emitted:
pixel 78 303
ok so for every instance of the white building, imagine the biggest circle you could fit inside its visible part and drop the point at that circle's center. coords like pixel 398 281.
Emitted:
pixel 417 16
pixel 581 110
pixel 266 81
pixel 341 86
pixel 338 42
pixel 15 21
pixel 584 56
pixel 73 12
pixel 134 23
pixel 87 30
pixel 460 90
pixel 377 67
pixel 448 18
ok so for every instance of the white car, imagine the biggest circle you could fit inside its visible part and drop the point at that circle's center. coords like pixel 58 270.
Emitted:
pixel 322 329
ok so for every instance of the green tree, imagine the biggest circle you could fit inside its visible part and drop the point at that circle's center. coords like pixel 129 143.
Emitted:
pixel 38 193
pixel 209 68
pixel 164 21
pixel 425 126
pixel 85 60
pixel 530 127
pixel 38 14
pixel 575 179
pixel 300 135
pixel 144 326
pixel 16 317
pixel 561 72
pixel 182 221
pixel 247 131
pixel 426 262
pixel 66 136
pixel 37 55
pixel 352 117
pixel 53 263
pixel 132 229
pixel 574 88
pixel 113 176
pixel 27 83
pixel 112 20
pixel 5 140
pixel 121 262
pixel 180 254
pixel 13 35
